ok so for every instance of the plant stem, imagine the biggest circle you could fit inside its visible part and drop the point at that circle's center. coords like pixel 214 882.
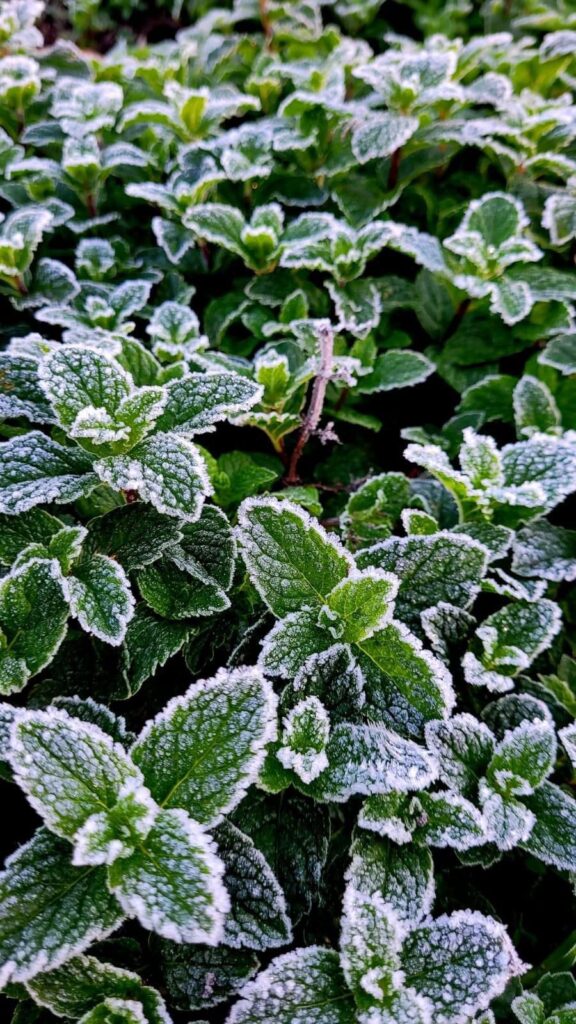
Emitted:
pixel 458 316
pixel 314 411
pixel 394 167
pixel 266 23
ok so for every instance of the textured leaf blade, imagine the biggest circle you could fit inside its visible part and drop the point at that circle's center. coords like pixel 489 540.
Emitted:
pixel 173 885
pixel 291 560
pixel 51 910
pixel 203 751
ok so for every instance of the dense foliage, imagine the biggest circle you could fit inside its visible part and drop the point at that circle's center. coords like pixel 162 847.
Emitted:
pixel 288 400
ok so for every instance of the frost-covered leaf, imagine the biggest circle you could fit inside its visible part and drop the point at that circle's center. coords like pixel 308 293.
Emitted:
pixel 523 759
pixel 535 410
pixel 305 733
pixel 441 567
pixel 78 985
pixel 379 135
pixel 133 535
pixel 303 987
pixel 560 353
pixel 198 401
pixel 69 769
pixel 552 838
pixel 363 602
pixel 397 368
pixel 370 944
pixel 402 875
pixel 446 626
pixel 508 820
pixel 511 639
pixel 371 759
pixel 258 918
pixel 20 390
pixel 173 884
pixel 400 672
pixel 460 962
pixel 559 217
pixel 35 470
pixel 292 561
pixel 198 976
pixel 193 576
pixel 335 678
pixel 463 747
pixel 165 470
pixel 51 910
pixel 545 551
pixel 206 747
pixel 298 637
pixel 100 598
pixel 440 819
pixel 33 621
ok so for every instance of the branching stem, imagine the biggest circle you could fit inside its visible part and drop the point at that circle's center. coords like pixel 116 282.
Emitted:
pixel 314 411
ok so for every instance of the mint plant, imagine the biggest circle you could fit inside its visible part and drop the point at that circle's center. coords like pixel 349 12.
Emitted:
pixel 287 478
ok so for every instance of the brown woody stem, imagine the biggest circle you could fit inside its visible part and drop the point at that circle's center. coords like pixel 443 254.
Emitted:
pixel 314 411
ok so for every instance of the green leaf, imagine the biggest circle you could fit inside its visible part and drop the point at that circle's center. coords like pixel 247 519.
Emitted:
pixel 193 576
pixel 148 644
pixel 441 567
pixel 370 759
pixel 173 883
pixel 69 769
pixel 364 603
pixel 165 470
pixel 404 682
pixel 553 837
pixel 303 987
pixel 51 911
pixel 396 368
pixel 204 750
pixel 201 976
pixel 78 986
pixel 258 918
pixel 35 470
pixel 535 410
pixel 460 962
pixel 293 836
pixel 545 551
pixel 463 747
pixel 18 532
pixel 20 391
pixel 134 535
pixel 33 621
pixel 100 598
pixel 560 353
pixel 305 733
pixel 370 944
pixel 291 560
pixel 200 400
pixel 374 508
pixel 379 135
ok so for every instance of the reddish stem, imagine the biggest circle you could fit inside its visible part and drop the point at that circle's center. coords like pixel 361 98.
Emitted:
pixel 314 411
pixel 394 167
